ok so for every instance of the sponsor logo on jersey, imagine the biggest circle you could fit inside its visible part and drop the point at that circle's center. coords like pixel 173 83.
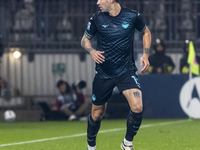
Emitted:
pixel 125 24
pixel 190 97
pixel 105 26
pixel 88 26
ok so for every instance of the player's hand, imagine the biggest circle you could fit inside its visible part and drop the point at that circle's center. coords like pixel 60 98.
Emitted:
pixel 144 60
pixel 97 56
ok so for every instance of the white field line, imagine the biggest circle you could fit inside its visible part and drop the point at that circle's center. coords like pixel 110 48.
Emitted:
pixel 84 134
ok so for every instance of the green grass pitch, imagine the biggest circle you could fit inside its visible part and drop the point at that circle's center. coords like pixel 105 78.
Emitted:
pixel 153 135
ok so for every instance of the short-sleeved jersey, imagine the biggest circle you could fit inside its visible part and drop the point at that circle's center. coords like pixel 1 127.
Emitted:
pixel 115 36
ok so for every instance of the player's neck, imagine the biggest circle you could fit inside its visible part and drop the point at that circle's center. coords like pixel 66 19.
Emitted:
pixel 115 9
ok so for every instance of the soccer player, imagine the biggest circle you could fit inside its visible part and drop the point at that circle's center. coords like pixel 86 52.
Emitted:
pixel 115 65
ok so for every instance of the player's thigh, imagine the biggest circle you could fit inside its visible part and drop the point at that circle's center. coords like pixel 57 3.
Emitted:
pixel 134 98
pixel 129 85
pixel 98 111
pixel 102 90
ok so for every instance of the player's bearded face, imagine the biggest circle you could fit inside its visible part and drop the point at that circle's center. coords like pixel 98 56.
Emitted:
pixel 104 5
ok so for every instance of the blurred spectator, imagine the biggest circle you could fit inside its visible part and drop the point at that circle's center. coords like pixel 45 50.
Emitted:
pixel 82 107
pixel 5 91
pixel 81 104
pixel 64 101
pixel 159 62
pixel 2 85
pixel 73 105
pixel 78 93
pixel 184 66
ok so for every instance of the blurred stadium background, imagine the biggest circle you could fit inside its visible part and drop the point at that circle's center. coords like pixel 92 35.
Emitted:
pixel 48 34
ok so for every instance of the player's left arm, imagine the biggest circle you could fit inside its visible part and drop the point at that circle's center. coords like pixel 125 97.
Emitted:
pixel 146 45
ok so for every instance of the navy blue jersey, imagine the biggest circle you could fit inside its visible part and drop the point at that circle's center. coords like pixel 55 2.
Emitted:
pixel 115 37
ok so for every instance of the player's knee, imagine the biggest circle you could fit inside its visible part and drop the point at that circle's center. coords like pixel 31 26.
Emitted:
pixel 137 108
pixel 97 116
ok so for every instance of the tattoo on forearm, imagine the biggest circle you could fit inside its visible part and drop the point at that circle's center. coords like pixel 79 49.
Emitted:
pixel 146 51
pixel 84 46
pixel 89 49
pixel 87 46
pixel 136 94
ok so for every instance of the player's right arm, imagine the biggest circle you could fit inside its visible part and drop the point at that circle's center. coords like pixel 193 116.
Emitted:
pixel 97 56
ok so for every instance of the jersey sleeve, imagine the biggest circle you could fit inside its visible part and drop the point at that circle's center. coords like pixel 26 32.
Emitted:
pixel 140 25
pixel 91 29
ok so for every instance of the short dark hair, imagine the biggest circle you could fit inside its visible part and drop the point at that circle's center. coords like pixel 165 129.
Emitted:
pixel 61 82
pixel 82 84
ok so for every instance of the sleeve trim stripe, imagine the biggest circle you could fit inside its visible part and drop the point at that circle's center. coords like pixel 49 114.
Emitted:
pixel 144 28
pixel 88 34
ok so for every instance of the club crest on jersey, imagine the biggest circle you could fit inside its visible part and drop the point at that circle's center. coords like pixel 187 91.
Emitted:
pixel 125 24
pixel 93 97
pixel 88 26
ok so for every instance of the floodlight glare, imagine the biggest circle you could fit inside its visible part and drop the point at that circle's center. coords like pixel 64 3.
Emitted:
pixel 158 41
pixel 17 54
pixel 187 41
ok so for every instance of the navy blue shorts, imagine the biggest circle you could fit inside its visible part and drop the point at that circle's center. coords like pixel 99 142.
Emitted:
pixel 103 88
